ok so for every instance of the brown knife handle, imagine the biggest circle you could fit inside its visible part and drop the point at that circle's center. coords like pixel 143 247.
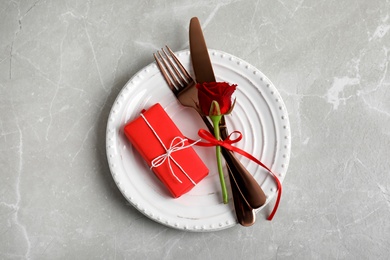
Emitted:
pixel 246 184
pixel 245 214
pixel 250 188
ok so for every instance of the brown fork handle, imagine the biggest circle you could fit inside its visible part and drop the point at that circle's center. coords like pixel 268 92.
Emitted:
pixel 245 214
pixel 246 184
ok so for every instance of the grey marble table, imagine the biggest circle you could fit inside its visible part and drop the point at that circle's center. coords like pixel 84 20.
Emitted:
pixel 62 64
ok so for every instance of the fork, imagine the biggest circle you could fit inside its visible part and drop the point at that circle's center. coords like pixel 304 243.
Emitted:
pixel 178 80
pixel 182 85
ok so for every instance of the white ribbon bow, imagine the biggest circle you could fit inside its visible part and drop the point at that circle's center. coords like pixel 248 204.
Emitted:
pixel 174 147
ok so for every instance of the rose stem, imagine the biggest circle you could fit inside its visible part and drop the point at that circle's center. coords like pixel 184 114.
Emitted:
pixel 216 120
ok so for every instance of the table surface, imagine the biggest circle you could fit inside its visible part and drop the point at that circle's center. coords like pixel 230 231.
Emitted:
pixel 62 64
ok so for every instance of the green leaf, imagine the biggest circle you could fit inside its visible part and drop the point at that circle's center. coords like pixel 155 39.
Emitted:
pixel 214 109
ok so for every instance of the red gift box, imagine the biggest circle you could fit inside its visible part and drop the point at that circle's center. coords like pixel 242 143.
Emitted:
pixel 166 151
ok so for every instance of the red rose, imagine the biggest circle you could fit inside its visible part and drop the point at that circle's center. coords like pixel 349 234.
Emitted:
pixel 221 92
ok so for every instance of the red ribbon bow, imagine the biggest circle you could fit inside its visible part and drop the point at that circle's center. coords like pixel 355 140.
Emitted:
pixel 227 143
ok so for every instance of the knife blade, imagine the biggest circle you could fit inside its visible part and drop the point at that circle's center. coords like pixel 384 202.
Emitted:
pixel 248 187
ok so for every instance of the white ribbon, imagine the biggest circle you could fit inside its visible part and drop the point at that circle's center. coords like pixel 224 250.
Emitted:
pixel 174 147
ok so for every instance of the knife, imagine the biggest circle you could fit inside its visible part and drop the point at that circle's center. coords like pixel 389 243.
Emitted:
pixel 245 183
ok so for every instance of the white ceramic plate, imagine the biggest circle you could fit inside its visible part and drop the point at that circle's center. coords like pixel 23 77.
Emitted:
pixel 259 114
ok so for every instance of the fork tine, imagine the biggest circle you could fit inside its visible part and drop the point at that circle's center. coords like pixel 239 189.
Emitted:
pixel 180 66
pixel 164 73
pixel 172 71
pixel 178 75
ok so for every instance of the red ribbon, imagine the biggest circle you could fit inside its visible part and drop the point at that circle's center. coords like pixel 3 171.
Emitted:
pixel 227 143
